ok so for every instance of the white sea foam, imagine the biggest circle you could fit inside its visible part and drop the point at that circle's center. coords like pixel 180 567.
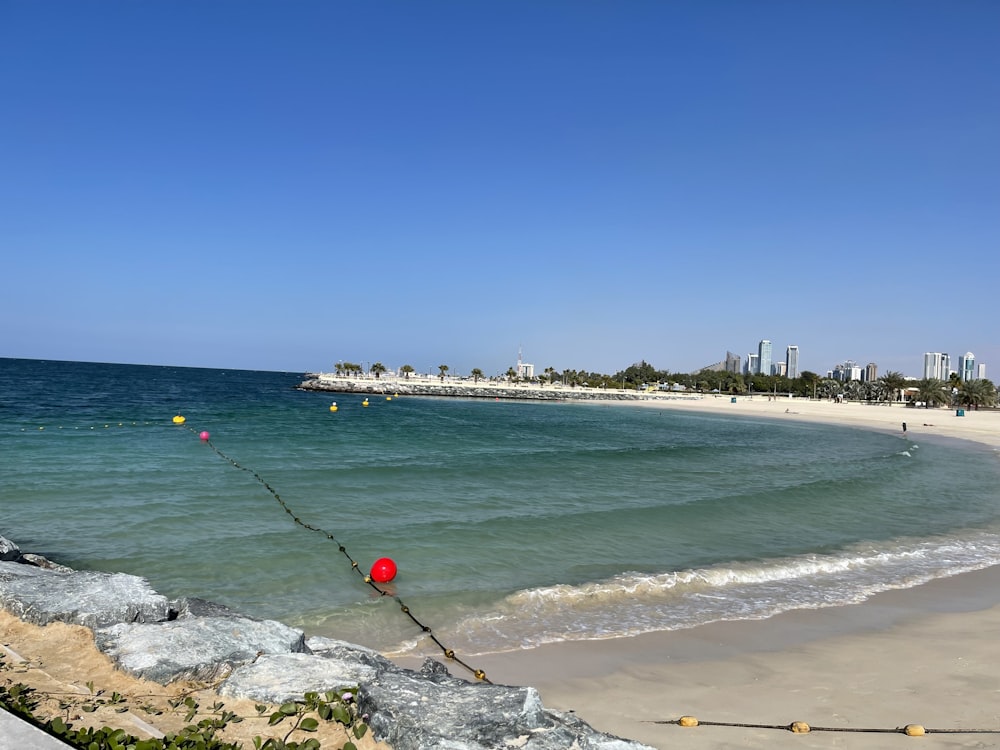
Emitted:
pixel 633 603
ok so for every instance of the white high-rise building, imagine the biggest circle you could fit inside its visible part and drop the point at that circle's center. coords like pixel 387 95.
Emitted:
pixel 792 361
pixel 764 357
pixel 753 364
pixel 937 365
pixel 967 366
pixel 981 371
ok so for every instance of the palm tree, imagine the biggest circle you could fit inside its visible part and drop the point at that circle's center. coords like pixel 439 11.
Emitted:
pixel 933 392
pixel 340 368
pixel 406 370
pixel 443 369
pixel 829 388
pixel 894 382
pixel 378 368
pixel 811 380
pixel 511 374
pixel 550 373
pixel 854 390
pixel 476 374
pixel 977 392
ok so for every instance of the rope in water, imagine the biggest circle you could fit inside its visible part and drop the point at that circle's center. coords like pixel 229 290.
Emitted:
pixel 449 653
pixel 801 727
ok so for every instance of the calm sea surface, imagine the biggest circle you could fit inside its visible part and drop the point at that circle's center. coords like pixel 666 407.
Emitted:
pixel 513 524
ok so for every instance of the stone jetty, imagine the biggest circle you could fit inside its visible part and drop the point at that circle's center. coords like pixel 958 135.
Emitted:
pixel 483 389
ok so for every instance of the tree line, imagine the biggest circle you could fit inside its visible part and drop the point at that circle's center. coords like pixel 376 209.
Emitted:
pixel 892 386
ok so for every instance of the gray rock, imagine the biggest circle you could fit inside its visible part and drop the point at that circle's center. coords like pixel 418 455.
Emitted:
pixel 330 648
pixel 270 662
pixel 41 596
pixel 194 648
pixel 277 678
pixel 43 562
pixel 430 709
pixel 194 607
pixel 8 550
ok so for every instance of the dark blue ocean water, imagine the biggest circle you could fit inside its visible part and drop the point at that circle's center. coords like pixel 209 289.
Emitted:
pixel 512 523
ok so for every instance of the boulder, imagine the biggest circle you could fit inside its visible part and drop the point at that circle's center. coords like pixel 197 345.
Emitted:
pixel 41 595
pixel 8 550
pixel 267 661
pixel 431 709
pixel 195 648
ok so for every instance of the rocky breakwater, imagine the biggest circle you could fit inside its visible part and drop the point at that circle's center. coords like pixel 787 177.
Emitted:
pixel 149 636
pixel 464 389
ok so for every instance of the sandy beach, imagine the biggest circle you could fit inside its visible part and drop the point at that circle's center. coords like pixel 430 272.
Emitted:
pixel 926 656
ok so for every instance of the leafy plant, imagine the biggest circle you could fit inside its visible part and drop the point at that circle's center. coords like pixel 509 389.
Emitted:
pixel 333 706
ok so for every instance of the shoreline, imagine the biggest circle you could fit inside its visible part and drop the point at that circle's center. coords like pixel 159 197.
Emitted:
pixel 923 655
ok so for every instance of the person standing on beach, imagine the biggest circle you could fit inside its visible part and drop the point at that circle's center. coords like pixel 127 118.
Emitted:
pixel 904 428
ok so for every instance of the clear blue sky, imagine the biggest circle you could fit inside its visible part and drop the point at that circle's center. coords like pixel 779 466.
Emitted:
pixel 282 185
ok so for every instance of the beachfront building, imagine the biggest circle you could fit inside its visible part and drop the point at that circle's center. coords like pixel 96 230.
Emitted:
pixel 967 367
pixel 870 374
pixel 764 357
pixel 779 368
pixel 937 365
pixel 981 371
pixel 752 364
pixel 792 361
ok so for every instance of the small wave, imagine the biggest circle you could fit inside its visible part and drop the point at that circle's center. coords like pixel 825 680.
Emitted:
pixel 633 603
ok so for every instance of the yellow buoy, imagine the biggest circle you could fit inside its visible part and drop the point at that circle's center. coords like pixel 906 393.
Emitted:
pixel 179 419
pixel 365 402
pixel 914 730
pixel 800 727
pixel 687 721
pixel 333 406
pixel 388 398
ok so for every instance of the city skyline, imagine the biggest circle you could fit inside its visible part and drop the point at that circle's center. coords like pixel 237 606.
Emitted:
pixel 305 182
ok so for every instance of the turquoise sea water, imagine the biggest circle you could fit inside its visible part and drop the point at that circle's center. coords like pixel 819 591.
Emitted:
pixel 513 524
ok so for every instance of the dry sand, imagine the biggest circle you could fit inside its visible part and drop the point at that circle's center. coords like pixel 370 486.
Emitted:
pixel 927 656
pixel 59 660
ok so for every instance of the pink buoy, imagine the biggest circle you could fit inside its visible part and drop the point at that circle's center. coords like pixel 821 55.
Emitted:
pixel 204 435
pixel 383 570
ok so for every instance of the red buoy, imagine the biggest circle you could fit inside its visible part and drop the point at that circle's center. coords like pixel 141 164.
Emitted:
pixel 204 435
pixel 383 570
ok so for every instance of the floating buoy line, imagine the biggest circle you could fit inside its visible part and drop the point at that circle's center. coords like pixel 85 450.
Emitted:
pixel 384 569
pixel 801 727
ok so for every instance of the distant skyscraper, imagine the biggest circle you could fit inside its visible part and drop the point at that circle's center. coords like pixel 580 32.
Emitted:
pixel 981 371
pixel 967 366
pixel 870 375
pixel 764 357
pixel 779 368
pixel 733 362
pixel 932 361
pixel 792 361
pixel 937 365
pixel 753 364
